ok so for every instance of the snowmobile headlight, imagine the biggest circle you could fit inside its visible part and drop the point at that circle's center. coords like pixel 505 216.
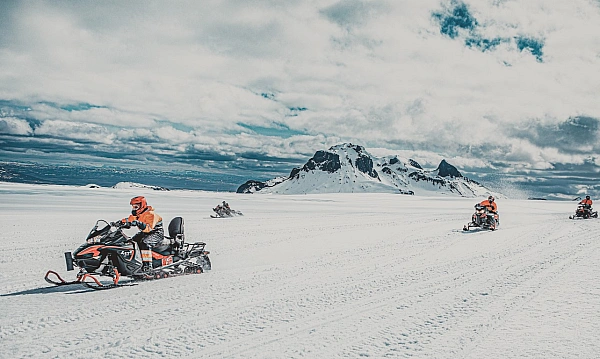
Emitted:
pixel 94 239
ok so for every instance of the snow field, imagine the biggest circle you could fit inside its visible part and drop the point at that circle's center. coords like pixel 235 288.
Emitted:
pixel 308 276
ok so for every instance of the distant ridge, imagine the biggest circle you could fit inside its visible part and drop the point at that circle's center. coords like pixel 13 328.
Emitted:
pixel 348 168
pixel 125 185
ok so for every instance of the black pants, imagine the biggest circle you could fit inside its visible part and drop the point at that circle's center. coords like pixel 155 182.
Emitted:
pixel 139 239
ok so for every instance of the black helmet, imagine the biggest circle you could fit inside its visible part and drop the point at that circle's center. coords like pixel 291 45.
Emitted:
pixel 491 198
pixel 587 197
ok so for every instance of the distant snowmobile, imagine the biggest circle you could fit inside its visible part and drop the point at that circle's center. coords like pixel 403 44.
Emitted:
pixel 584 212
pixel 484 219
pixel 223 211
pixel 108 251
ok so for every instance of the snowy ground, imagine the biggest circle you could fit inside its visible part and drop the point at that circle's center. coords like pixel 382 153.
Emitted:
pixel 308 276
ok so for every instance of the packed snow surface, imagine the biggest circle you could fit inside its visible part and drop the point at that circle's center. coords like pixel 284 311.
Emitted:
pixel 307 276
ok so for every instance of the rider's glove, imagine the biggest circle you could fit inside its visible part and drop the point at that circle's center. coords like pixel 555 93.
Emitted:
pixel 140 225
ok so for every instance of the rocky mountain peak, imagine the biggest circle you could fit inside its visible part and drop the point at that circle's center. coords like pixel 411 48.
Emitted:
pixel 447 170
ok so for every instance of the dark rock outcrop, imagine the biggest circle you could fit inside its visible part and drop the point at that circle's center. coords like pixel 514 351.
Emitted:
pixel 414 164
pixel 445 169
pixel 322 160
pixel 365 165
pixel 422 177
pixel 251 186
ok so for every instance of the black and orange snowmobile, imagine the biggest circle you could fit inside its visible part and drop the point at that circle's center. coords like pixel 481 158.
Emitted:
pixel 483 218
pixel 584 212
pixel 109 252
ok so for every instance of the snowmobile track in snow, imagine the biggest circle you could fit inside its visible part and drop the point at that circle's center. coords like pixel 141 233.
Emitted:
pixel 380 280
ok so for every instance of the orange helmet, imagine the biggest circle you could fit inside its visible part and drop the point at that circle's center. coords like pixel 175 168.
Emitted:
pixel 139 205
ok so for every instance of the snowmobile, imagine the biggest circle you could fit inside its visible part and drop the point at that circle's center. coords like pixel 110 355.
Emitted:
pixel 222 212
pixel 584 212
pixel 109 252
pixel 482 218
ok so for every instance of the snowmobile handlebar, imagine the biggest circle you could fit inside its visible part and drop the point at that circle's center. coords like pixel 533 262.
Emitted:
pixel 127 225
pixel 123 225
pixel 120 224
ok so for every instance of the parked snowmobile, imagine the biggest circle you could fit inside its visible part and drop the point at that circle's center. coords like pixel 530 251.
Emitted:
pixel 584 212
pixel 108 251
pixel 484 219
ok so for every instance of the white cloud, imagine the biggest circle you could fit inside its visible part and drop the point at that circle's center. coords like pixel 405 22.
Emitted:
pixel 75 131
pixel 14 126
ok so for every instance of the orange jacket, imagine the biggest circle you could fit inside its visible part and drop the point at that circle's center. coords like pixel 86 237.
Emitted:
pixel 492 207
pixel 586 201
pixel 147 216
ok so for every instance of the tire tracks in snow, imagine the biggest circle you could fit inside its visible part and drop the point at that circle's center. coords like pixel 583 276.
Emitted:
pixel 518 275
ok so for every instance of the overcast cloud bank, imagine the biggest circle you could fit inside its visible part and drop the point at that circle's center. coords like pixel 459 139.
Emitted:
pixel 503 89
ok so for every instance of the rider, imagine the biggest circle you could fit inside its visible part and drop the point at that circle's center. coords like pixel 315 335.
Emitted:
pixel 587 202
pixel 151 228
pixel 218 209
pixel 490 204
pixel 227 208
pixel 492 208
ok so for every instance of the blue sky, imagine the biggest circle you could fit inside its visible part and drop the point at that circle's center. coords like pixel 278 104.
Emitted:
pixel 503 88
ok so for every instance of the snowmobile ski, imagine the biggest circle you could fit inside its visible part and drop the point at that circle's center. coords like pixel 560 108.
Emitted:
pixel 60 281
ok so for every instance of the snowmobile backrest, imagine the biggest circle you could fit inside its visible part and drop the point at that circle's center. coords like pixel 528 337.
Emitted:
pixel 176 228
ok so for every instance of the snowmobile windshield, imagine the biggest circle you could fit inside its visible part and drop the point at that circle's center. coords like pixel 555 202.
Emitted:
pixel 479 208
pixel 99 231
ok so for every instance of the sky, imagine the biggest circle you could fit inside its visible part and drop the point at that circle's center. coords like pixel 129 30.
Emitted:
pixel 506 90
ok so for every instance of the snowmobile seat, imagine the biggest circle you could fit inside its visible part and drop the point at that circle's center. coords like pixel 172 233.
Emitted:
pixel 164 247
pixel 176 232
pixel 176 228
pixel 175 239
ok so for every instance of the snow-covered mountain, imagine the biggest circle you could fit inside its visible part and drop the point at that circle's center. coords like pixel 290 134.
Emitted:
pixel 128 185
pixel 350 168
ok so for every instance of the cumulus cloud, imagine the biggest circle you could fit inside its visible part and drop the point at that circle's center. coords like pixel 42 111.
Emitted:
pixel 579 134
pixel 14 126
